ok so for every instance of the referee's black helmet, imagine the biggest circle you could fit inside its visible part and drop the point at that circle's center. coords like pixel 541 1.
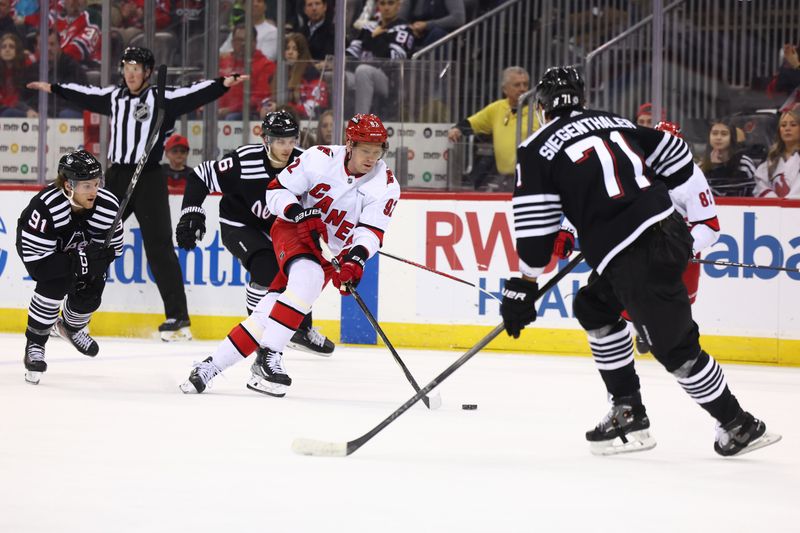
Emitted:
pixel 561 88
pixel 135 54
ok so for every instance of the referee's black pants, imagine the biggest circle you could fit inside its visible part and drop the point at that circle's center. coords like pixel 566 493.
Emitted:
pixel 150 203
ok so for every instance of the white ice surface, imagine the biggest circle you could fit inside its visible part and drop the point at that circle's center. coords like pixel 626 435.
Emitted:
pixel 111 445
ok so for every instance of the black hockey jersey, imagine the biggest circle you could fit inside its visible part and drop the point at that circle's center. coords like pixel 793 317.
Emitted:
pixel 242 178
pixel 610 178
pixel 396 42
pixel 48 229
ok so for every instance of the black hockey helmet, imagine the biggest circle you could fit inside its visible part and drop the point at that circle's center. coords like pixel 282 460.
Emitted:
pixel 279 124
pixel 79 165
pixel 135 54
pixel 561 88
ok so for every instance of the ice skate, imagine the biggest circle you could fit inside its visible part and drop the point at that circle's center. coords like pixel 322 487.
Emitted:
pixel 269 376
pixel 201 376
pixel 175 330
pixel 80 339
pixel 311 340
pixel 35 364
pixel 625 428
pixel 742 435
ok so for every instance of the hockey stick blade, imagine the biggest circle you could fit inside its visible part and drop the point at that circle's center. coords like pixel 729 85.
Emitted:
pixel 340 449
pixel 161 82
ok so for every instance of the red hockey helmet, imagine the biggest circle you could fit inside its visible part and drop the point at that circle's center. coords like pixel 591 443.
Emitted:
pixel 366 128
pixel 673 128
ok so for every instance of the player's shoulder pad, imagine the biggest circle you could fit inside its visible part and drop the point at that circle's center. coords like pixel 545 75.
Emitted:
pixel 107 199
pixel 53 200
pixel 249 151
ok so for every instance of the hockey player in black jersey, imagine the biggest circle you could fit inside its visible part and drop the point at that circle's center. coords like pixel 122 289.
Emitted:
pixel 131 108
pixel 60 237
pixel 245 221
pixel 613 179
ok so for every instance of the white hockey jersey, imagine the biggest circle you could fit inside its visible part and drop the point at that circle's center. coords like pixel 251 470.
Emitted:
pixel 356 208
pixel 785 179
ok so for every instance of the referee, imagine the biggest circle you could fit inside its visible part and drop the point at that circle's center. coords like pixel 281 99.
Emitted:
pixel 131 106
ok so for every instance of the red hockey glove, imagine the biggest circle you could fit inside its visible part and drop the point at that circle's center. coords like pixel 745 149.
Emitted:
pixel 310 226
pixel 564 244
pixel 351 269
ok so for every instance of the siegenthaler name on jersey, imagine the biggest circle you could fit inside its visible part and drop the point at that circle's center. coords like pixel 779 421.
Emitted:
pixel 580 127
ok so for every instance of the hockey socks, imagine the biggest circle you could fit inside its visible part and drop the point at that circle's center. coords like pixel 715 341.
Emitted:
pixel 702 378
pixel 612 351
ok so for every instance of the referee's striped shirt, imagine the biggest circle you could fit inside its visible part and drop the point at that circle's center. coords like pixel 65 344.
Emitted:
pixel 133 117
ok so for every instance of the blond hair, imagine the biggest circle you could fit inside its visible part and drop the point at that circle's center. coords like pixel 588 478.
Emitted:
pixel 778 149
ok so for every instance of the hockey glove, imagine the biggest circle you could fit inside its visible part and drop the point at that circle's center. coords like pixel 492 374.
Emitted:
pixel 351 268
pixel 310 226
pixel 564 244
pixel 191 227
pixel 90 261
pixel 518 307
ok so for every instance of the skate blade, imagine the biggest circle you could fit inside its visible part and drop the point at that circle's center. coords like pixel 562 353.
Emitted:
pixel 763 441
pixel 638 441
pixel 265 387
pixel 303 348
pixel 33 377
pixel 187 388
pixel 183 334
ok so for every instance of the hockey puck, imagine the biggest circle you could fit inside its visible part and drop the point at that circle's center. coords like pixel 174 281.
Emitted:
pixel 469 406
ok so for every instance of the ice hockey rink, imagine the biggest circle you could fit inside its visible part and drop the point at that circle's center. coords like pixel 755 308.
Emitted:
pixel 110 445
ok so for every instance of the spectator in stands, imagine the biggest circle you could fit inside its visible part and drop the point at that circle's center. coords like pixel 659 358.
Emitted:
pixel 80 38
pixel 325 128
pixel 644 115
pixel 307 92
pixel 230 104
pixel 433 19
pixel 13 66
pixel 176 150
pixel 132 14
pixel 779 175
pixel 728 170
pixel 61 68
pixel 267 41
pixel 318 30
pixel 387 37
pixel 7 24
pixel 499 119
pixel 788 78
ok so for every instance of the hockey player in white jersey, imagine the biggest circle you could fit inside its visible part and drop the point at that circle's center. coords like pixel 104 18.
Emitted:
pixel 343 194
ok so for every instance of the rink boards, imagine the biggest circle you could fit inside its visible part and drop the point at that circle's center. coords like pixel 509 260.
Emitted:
pixel 744 315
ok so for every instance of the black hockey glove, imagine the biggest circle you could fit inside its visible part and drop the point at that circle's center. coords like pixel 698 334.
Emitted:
pixel 90 262
pixel 191 227
pixel 518 307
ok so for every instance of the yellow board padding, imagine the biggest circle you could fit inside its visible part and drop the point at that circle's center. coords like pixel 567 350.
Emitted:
pixel 760 350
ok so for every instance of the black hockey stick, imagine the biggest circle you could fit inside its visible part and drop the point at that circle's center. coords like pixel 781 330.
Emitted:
pixel 431 403
pixel 161 82
pixel 429 269
pixel 743 265
pixel 342 449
